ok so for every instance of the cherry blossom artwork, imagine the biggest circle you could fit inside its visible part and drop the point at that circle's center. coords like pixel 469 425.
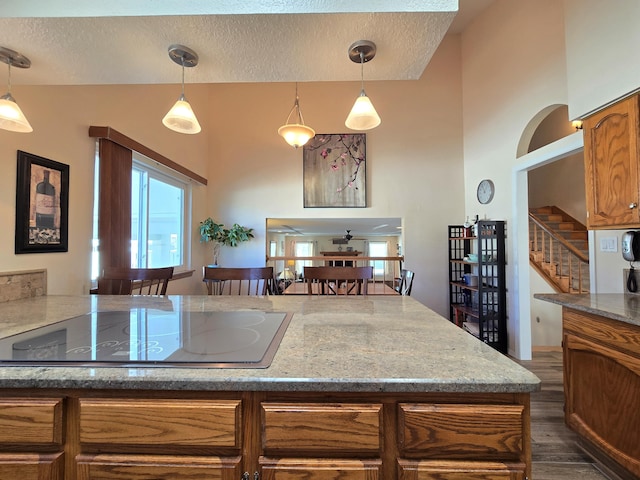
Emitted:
pixel 335 170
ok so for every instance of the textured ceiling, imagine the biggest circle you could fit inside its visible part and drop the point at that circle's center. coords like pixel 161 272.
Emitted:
pixel 75 42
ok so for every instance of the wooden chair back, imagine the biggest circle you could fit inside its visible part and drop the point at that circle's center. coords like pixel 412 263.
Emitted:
pixel 238 281
pixel 337 280
pixel 405 283
pixel 134 281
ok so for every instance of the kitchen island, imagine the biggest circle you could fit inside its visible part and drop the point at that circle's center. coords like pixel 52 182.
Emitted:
pixel 601 366
pixel 376 387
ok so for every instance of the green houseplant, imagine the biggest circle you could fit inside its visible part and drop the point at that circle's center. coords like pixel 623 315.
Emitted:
pixel 211 231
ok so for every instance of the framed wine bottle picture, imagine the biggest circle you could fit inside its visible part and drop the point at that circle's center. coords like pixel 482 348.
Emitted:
pixel 42 205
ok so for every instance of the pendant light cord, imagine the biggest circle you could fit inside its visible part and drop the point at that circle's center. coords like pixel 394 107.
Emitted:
pixel 362 72
pixel 9 81
pixel 182 76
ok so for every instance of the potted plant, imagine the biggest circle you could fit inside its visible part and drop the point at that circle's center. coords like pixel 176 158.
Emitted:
pixel 210 231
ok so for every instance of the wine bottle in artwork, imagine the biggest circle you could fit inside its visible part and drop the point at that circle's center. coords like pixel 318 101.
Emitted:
pixel 45 203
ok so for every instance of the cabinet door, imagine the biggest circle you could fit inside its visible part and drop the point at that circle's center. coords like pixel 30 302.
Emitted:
pixel 320 469
pixel 146 467
pixel 602 388
pixel 611 166
pixel 22 466
pixel 460 470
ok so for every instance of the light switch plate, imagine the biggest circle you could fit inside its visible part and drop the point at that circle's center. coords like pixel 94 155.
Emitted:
pixel 609 244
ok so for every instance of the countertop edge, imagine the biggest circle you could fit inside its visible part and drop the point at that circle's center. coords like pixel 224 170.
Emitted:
pixel 267 385
pixel 621 307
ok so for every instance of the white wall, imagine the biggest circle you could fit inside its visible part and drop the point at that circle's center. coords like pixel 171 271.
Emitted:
pixel 560 183
pixel 513 67
pixel 602 41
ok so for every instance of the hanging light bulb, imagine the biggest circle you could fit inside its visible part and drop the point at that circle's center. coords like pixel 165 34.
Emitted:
pixel 296 134
pixel 11 116
pixel 181 117
pixel 363 115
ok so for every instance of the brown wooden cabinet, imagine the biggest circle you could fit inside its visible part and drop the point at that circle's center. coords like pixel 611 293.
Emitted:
pixel 137 435
pixel 31 438
pixel 612 156
pixel 602 388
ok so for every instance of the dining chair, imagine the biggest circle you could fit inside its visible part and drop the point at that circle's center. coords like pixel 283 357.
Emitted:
pixel 239 281
pixel 134 281
pixel 405 283
pixel 329 280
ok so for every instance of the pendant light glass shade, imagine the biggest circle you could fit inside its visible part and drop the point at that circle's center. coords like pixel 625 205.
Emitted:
pixel 363 115
pixel 11 116
pixel 181 118
pixel 296 134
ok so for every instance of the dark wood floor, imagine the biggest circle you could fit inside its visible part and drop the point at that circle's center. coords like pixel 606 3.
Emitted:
pixel 554 452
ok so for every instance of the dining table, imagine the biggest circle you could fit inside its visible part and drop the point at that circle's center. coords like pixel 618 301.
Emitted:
pixel 373 288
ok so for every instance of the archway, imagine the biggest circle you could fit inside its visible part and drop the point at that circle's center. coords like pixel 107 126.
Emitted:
pixel 551 152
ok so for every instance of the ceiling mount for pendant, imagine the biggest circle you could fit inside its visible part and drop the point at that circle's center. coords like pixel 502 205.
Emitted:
pixel 14 59
pixel 362 51
pixel 183 55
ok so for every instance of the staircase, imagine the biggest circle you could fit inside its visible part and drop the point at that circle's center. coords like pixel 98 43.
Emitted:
pixel 559 249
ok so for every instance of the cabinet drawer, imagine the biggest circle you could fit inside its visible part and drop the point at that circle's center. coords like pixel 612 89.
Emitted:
pixel 460 470
pixel 618 335
pixel 160 422
pixel 22 466
pixel 31 421
pixel 145 467
pixel 315 427
pixel 320 469
pixel 461 431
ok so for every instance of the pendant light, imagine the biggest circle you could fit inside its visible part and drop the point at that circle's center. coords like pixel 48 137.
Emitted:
pixel 296 134
pixel 181 117
pixel 363 115
pixel 11 117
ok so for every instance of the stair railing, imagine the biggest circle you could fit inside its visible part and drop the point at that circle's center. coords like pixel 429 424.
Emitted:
pixel 562 264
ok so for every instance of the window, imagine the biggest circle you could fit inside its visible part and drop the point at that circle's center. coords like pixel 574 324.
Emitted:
pixel 303 249
pixel 378 249
pixel 160 213
pixel 157 217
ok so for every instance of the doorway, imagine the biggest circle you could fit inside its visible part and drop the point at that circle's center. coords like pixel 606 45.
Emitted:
pixel 528 160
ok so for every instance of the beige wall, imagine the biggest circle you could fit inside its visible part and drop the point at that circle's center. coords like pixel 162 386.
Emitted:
pixel 414 162
pixel 61 117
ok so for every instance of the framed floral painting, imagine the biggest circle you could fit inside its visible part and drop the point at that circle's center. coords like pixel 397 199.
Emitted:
pixel 335 170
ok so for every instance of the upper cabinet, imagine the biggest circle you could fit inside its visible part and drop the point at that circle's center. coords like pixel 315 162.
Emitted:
pixel 611 166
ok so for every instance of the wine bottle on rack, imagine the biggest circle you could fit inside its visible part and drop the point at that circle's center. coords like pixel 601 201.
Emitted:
pixel 45 203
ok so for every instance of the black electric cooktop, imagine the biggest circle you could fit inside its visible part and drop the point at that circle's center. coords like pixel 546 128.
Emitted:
pixel 149 337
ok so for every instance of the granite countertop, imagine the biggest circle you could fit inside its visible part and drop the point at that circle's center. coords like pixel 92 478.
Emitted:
pixel 352 344
pixel 623 307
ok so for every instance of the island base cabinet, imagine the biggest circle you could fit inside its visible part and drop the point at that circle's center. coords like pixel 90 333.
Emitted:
pixel 145 467
pixel 149 435
pixel 23 466
pixel 602 388
pixel 320 469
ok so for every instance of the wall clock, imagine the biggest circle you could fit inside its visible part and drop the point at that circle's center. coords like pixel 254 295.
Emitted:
pixel 486 189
